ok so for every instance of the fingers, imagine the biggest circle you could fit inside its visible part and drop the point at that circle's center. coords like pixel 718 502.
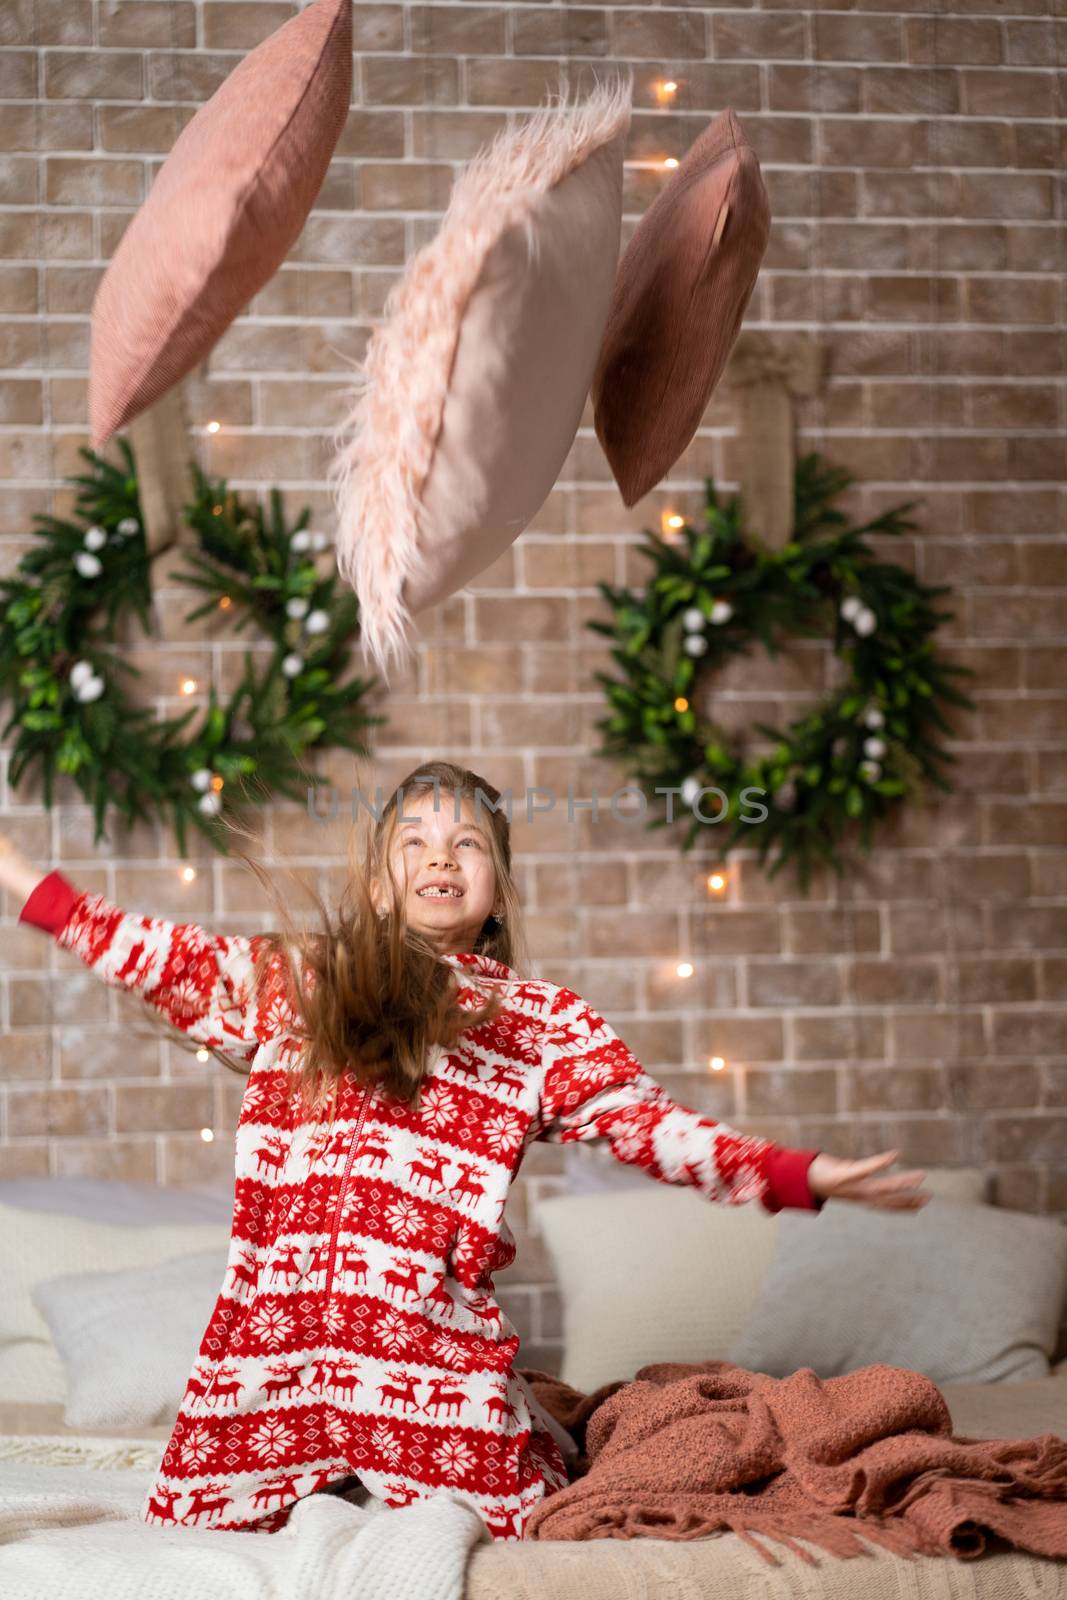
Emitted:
pixel 904 1181
pixel 873 1163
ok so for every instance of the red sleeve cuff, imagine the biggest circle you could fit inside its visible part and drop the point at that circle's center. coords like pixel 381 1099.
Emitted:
pixel 787 1180
pixel 50 903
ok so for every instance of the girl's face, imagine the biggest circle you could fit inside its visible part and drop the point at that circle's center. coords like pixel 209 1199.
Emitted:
pixel 436 852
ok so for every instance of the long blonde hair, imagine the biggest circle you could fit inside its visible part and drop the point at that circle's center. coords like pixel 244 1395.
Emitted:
pixel 370 993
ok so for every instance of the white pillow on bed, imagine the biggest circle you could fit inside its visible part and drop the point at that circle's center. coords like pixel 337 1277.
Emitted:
pixel 128 1339
pixel 35 1245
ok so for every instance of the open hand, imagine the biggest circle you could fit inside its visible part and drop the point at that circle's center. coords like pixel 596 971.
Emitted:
pixel 18 875
pixel 831 1178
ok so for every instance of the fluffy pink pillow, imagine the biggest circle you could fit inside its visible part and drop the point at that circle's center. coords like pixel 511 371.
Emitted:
pixel 474 384
pixel 225 209
pixel 684 282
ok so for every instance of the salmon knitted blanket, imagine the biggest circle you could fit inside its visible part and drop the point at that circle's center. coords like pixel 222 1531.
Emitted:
pixel 690 1448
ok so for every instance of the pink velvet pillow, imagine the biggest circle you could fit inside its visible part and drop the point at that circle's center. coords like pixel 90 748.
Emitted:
pixel 683 285
pixel 225 209
pixel 474 384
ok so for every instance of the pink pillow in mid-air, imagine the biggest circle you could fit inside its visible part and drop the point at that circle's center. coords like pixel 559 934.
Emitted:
pixel 684 282
pixel 474 384
pixel 225 209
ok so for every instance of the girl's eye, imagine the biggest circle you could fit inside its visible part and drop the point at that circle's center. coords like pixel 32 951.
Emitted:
pixel 414 839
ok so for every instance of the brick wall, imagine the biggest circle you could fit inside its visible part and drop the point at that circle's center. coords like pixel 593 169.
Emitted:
pixel 914 166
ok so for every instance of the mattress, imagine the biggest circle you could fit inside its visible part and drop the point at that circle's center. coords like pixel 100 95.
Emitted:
pixel 724 1567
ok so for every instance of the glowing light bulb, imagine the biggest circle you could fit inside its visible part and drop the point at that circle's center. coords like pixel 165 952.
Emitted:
pixel 217 782
pixel 716 882
pixel 189 686
pixel 216 511
pixel 716 1063
pixel 189 874
pixel 671 162
pixel 670 523
pixel 213 427
pixel 684 969
pixel 225 602
pixel 681 704
pixel 207 1135
pixel 665 91
pixel 203 1055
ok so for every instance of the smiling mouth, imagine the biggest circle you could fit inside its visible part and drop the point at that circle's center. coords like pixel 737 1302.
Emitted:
pixel 440 894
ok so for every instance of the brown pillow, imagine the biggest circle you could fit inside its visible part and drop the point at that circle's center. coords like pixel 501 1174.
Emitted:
pixel 225 209
pixel 681 291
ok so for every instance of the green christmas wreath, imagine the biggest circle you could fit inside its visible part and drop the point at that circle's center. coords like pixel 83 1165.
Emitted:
pixel 844 765
pixel 59 666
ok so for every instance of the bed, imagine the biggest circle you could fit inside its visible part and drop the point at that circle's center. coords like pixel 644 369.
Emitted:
pixel 34 1435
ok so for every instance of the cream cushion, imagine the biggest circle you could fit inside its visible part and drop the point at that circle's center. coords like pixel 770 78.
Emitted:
pixel 653 1272
pixel 474 383
pixel 37 1245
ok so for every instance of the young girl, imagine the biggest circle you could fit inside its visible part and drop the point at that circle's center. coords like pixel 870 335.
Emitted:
pixel 356 1340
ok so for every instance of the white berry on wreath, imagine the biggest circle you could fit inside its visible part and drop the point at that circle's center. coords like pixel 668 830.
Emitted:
pixel 721 611
pixel 865 621
pixel 301 540
pixel 89 689
pixel 850 606
pixel 690 789
pixel 79 672
pixel 297 607
pixel 128 526
pixel 693 619
pixel 95 538
pixel 317 621
pixel 293 665
pixel 874 747
pixel 870 770
pixel 873 718
pixel 201 778
pixel 695 644
pixel 209 804
pixel 87 564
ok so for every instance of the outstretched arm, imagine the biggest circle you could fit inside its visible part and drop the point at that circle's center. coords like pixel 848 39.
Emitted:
pixel 202 983
pixel 594 1089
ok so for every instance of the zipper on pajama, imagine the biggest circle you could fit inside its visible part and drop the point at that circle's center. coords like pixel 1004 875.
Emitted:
pixel 341 1194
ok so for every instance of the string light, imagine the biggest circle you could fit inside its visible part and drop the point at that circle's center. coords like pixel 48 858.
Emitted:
pixel 225 602
pixel 216 511
pixel 189 874
pixel 203 1054
pixel 666 91
pixel 681 704
pixel 217 782
pixel 717 882
pixel 207 1134
pixel 213 427
pixel 716 1063
pixel 670 162
pixel 189 686
pixel 671 524
pixel 684 969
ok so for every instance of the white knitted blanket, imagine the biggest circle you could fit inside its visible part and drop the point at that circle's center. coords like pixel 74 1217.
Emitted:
pixel 70 1530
